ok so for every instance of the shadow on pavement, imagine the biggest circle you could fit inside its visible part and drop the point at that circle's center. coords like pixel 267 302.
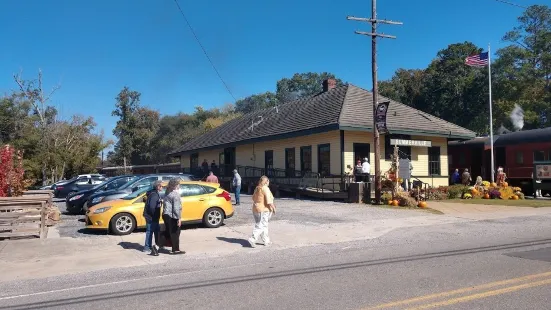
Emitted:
pixel 93 232
pixel 131 246
pixel 243 242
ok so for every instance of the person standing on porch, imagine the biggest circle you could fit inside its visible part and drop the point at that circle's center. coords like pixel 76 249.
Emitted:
pixel 366 170
pixel 358 171
pixel 466 177
pixel 236 183
pixel 456 178
pixel 263 209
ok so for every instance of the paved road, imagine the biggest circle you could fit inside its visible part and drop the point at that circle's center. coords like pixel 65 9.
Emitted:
pixel 493 264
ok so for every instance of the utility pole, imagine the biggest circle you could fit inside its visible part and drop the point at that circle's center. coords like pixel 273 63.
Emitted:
pixel 373 34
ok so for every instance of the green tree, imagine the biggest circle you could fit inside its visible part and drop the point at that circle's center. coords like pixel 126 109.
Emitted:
pixel 127 103
pixel 302 85
pixel 256 102
pixel 406 86
pixel 523 69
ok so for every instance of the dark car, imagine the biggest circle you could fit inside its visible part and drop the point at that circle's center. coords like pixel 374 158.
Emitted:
pixel 77 202
pixel 77 184
pixel 134 185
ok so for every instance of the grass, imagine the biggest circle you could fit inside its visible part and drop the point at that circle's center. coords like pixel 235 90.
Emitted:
pixel 498 202
pixel 429 210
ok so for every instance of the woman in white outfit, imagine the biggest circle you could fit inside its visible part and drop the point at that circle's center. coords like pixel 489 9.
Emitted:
pixel 263 208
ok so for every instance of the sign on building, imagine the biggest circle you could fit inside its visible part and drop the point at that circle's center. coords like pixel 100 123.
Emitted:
pixel 380 116
pixel 404 170
pixel 543 172
pixel 402 142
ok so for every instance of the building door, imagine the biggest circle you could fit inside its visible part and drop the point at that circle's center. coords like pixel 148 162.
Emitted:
pixel 361 151
pixel 269 162
pixel 229 161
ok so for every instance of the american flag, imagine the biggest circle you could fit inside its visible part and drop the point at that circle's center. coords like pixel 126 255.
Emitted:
pixel 480 60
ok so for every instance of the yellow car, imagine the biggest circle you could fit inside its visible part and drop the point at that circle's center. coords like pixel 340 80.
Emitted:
pixel 202 202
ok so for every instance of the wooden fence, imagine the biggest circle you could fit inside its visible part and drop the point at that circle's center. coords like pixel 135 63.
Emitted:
pixel 27 216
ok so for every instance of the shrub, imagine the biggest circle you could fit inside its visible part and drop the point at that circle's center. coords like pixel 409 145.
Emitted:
pixel 386 196
pixel 494 193
pixel 405 200
pixel 457 191
pixel 439 193
pixel 520 195
pixel 12 182
pixel 506 192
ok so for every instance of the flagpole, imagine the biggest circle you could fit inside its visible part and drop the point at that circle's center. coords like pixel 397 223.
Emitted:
pixel 491 117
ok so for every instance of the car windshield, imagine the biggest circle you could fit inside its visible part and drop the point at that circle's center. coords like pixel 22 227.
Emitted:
pixel 137 193
pixel 71 180
pixel 112 183
pixel 130 183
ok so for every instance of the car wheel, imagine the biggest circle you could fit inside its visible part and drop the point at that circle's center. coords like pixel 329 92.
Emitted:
pixel 213 218
pixel 123 224
pixel 84 207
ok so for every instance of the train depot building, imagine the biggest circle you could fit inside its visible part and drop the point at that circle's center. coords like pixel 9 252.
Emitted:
pixel 323 135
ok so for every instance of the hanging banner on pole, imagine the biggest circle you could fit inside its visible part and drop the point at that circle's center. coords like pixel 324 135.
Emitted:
pixel 380 116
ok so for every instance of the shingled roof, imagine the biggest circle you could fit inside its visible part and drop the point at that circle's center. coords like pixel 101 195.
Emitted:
pixel 347 107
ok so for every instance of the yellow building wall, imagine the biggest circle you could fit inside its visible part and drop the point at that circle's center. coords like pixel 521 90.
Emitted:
pixel 419 156
pixel 253 154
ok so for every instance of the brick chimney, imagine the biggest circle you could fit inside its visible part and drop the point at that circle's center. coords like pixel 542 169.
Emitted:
pixel 329 84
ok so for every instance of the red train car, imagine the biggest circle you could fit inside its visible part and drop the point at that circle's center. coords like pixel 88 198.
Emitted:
pixel 515 152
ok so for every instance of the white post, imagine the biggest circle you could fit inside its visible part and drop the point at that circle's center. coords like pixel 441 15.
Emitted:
pixel 491 117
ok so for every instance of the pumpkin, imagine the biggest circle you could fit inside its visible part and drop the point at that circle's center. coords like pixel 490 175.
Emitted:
pixel 422 204
pixel 390 202
pixel 486 196
pixel 474 191
pixel 395 203
pixel 515 197
pixel 493 184
pixel 505 184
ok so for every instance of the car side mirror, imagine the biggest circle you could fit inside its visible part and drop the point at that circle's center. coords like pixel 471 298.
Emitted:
pixel 144 199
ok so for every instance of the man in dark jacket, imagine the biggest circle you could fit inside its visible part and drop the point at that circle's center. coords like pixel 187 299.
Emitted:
pixel 152 214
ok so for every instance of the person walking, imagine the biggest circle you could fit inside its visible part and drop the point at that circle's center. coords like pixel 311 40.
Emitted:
pixel 236 183
pixel 152 215
pixel 212 178
pixel 172 214
pixel 263 209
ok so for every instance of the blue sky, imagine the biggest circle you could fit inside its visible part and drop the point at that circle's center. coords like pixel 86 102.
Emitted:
pixel 94 48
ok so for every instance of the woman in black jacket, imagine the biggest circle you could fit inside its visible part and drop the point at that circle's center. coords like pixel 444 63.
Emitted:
pixel 152 214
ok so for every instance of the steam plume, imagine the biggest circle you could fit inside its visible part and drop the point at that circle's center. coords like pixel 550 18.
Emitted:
pixel 517 117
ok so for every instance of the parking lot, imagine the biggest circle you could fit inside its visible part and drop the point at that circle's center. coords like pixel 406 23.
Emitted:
pixel 289 210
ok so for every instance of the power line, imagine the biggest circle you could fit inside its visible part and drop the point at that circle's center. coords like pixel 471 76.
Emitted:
pixel 204 50
pixel 510 3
